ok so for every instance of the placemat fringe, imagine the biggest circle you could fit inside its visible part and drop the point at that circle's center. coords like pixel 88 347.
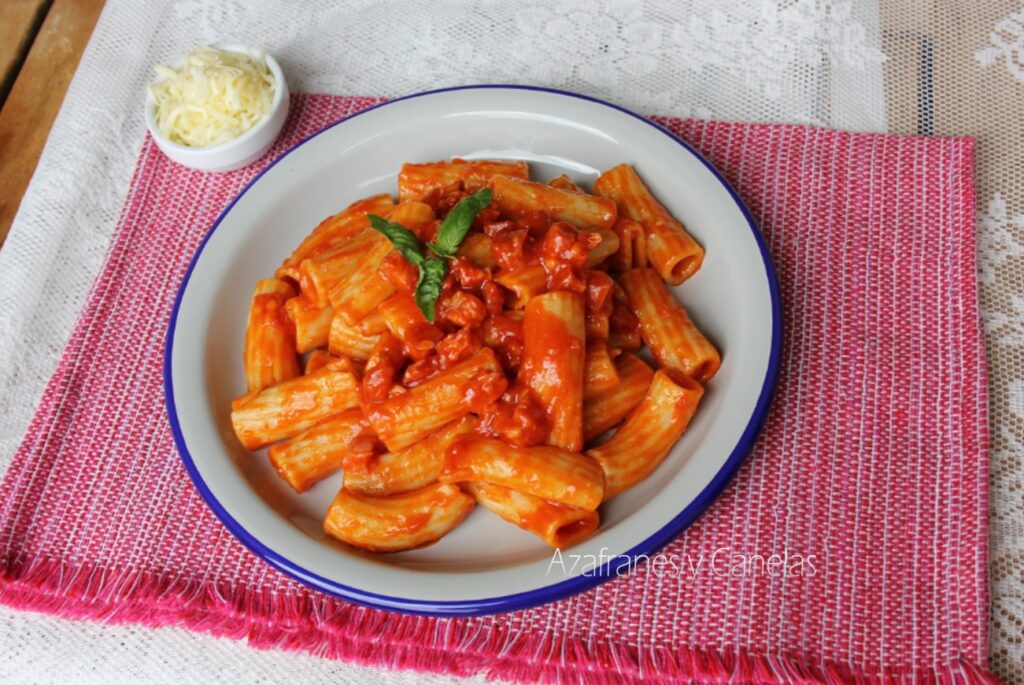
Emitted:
pixel 273 620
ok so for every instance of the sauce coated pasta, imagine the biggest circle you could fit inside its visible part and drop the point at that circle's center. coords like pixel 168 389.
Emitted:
pixel 476 342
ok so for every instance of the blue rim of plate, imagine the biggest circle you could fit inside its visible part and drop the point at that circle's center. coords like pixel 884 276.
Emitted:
pixel 616 565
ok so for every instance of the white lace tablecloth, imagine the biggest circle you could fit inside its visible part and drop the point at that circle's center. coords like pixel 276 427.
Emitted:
pixel 904 66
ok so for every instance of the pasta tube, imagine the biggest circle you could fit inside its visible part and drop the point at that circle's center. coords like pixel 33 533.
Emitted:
pixel 397 522
pixel 604 409
pixel 286 409
pixel 608 246
pixel 636 449
pixel 357 293
pixel 412 214
pixel 552 363
pixel 414 467
pixel 674 341
pixel 318 275
pixel 270 336
pixel 599 372
pixel 403 419
pixel 517 196
pixel 312 323
pixel 341 441
pixel 320 358
pixel 556 524
pixel 418 181
pixel 373 323
pixel 348 340
pixel 334 231
pixel 632 252
pixel 548 472
pixel 625 340
pixel 671 250
pixel 406 322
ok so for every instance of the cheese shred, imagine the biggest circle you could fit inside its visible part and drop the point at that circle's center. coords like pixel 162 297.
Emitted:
pixel 213 98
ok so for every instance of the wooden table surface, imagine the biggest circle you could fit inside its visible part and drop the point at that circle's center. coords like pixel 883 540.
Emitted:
pixel 41 42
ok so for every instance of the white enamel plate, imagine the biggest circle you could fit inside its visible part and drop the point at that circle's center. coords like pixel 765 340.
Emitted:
pixel 485 565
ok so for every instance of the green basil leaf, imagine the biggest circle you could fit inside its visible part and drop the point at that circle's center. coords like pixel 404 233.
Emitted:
pixel 428 288
pixel 456 225
pixel 404 240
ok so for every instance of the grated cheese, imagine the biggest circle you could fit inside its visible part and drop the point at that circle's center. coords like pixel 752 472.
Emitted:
pixel 213 98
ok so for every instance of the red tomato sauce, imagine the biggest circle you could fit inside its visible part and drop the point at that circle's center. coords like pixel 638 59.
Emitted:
pixel 471 313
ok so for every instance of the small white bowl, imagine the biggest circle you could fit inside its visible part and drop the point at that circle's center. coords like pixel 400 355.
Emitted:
pixel 244 149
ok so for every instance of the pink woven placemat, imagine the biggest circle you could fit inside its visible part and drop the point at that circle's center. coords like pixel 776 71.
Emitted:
pixel 868 483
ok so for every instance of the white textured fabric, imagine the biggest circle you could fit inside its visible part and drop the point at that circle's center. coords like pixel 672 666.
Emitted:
pixel 805 61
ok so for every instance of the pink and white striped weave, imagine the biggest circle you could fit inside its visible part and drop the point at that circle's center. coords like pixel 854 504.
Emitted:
pixel 871 471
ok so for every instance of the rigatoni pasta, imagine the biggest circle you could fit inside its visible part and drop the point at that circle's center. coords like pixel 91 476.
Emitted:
pixel 334 231
pixel 558 525
pixel 416 466
pixel 516 196
pixel 397 522
pixel 286 409
pixel 312 323
pixel 341 441
pixel 407 417
pixel 604 250
pixel 473 343
pixel 604 409
pixel 670 247
pixel 420 181
pixel 554 349
pixel 349 340
pixel 632 246
pixel 599 371
pixel 406 322
pixel 524 284
pixel 319 358
pixel 270 336
pixel 642 442
pixel 551 473
pixel 674 341
pixel 358 292
pixel 320 274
